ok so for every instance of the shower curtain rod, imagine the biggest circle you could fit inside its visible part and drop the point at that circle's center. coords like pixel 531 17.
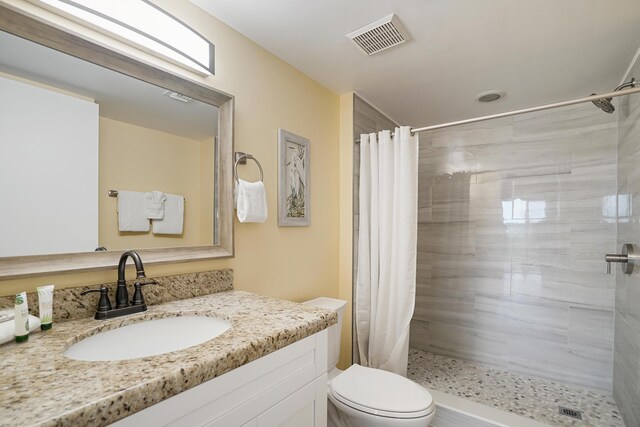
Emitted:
pixel 526 110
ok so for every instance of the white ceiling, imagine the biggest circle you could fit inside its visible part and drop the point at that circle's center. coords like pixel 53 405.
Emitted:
pixel 538 51
pixel 120 97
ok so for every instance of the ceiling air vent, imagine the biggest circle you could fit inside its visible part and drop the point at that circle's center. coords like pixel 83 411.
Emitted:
pixel 177 96
pixel 380 35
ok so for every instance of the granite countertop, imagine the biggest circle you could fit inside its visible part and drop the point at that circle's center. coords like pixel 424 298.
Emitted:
pixel 40 386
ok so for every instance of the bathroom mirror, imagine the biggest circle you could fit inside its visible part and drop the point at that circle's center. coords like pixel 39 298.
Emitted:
pixel 81 120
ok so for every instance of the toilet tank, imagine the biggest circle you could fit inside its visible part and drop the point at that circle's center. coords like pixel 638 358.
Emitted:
pixel 338 306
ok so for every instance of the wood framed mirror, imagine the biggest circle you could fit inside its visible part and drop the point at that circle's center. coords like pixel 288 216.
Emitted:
pixel 221 239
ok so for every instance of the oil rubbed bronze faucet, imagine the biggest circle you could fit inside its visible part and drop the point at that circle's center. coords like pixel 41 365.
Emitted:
pixel 123 306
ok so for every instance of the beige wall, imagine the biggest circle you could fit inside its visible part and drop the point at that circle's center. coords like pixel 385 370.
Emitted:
pixel 295 263
pixel 136 158
pixel 207 159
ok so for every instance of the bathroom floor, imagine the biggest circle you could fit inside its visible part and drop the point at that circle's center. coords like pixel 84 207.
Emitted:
pixel 531 397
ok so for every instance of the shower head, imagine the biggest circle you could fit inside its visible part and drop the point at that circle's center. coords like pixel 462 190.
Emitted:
pixel 605 103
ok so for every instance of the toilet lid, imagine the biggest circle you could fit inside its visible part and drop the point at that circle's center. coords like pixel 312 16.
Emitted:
pixel 381 393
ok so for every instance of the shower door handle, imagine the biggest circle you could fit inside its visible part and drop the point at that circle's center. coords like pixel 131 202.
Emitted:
pixel 628 258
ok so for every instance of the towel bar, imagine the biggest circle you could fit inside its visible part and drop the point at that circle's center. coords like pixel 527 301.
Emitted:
pixel 241 159
pixel 114 193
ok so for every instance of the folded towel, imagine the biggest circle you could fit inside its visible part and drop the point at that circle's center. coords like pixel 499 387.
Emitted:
pixel 7 314
pixel 132 211
pixel 8 329
pixel 155 204
pixel 173 216
pixel 252 201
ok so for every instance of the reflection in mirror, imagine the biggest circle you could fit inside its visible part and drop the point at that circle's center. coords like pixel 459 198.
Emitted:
pixel 70 131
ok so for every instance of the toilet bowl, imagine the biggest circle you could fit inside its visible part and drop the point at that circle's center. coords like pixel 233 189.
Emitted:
pixel 367 397
pixel 373 397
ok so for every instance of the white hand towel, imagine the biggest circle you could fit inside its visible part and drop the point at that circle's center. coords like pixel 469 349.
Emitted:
pixel 8 329
pixel 173 216
pixel 252 201
pixel 7 315
pixel 132 211
pixel 155 204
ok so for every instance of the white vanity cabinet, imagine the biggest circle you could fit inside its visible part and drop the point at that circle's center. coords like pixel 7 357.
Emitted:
pixel 285 388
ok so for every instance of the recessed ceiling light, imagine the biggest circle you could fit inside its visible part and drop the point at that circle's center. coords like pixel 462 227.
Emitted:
pixel 490 96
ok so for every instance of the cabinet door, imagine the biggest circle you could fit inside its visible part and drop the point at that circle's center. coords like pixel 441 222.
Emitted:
pixel 307 407
pixel 246 394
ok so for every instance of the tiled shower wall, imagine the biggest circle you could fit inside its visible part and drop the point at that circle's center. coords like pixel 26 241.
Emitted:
pixel 515 216
pixel 626 365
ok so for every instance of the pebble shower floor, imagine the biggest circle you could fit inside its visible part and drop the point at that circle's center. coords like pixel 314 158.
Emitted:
pixel 531 397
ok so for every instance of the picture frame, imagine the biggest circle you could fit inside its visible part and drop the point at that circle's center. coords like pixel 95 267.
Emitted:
pixel 294 195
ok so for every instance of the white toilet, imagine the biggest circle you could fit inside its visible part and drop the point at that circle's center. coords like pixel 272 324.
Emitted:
pixel 367 397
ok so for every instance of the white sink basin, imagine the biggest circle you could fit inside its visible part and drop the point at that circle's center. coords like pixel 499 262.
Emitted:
pixel 148 338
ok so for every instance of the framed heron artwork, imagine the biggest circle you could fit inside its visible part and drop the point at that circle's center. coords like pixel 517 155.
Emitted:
pixel 293 180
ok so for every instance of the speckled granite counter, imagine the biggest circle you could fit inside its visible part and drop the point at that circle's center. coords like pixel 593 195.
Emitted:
pixel 69 304
pixel 40 386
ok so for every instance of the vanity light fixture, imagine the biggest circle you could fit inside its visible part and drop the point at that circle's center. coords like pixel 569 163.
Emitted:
pixel 143 25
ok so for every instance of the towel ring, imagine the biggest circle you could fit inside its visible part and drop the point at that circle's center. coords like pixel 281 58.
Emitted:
pixel 246 156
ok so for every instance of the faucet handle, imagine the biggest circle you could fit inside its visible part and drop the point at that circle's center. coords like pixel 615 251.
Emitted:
pixel 103 303
pixel 138 298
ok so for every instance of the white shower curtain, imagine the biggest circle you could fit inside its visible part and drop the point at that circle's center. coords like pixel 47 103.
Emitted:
pixel 386 274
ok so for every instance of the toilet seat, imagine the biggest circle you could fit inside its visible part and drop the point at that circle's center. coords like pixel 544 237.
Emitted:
pixel 381 393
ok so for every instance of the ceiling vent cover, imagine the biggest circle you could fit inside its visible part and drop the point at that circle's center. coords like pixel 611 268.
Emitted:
pixel 380 35
pixel 177 96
